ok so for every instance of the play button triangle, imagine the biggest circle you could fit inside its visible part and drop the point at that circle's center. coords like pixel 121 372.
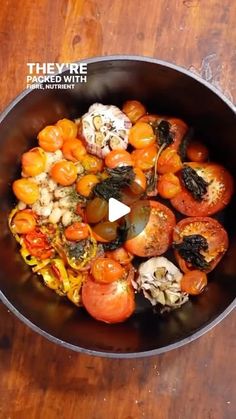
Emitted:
pixel 116 209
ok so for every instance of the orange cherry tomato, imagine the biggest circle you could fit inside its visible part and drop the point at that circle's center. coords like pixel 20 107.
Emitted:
pixel 118 158
pixel 110 303
pixel 68 128
pixel 197 152
pixel 96 210
pixel 50 138
pixel 24 222
pixel 141 135
pixel 169 161
pixel 77 231
pixel 85 185
pixel 134 110
pixel 26 191
pixel 139 184
pixel 145 158
pixel 92 164
pixel 105 270
pixel 73 149
pixel 193 282
pixel 149 118
pixel 168 185
pixel 33 162
pixel 64 172
pixel 105 232
pixel 120 255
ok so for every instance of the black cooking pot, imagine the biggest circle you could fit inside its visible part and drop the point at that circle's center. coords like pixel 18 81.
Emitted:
pixel 164 88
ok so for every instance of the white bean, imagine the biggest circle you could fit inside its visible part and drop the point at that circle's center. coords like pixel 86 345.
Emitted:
pixel 55 215
pixel 65 202
pixel 21 205
pixel 46 211
pixel 62 192
pixel 67 218
pixel 45 196
pixel 52 185
pixel 41 178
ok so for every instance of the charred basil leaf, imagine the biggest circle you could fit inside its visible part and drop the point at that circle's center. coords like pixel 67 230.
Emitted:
pixel 76 250
pixel 189 249
pixel 120 239
pixel 119 178
pixel 194 183
pixel 184 143
pixel 163 132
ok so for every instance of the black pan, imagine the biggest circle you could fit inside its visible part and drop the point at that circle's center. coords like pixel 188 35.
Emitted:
pixel 164 88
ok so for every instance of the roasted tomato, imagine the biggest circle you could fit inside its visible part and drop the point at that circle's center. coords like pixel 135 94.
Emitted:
pixel 92 164
pixel 33 162
pixel 24 222
pixel 38 245
pixel 150 117
pixel 197 152
pixel 218 191
pixel 193 282
pixel 64 172
pixel 85 185
pixel 134 110
pixel 96 210
pixel 200 243
pixel 168 185
pixel 139 184
pixel 50 138
pixel 169 161
pixel 68 128
pixel 117 158
pixel 106 231
pixel 110 303
pixel 77 231
pixel 145 158
pixel 105 270
pixel 26 190
pixel 141 135
pixel 151 229
pixel 74 150
pixel 121 255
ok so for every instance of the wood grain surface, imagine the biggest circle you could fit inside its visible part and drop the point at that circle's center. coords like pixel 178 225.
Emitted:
pixel 38 379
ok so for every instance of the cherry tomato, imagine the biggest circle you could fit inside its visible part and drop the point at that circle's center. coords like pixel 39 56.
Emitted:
pixel 168 185
pixel 110 303
pixel 86 184
pixel 50 138
pixel 219 191
pixel 64 172
pixel 197 152
pixel 211 230
pixel 120 255
pixel 96 210
pixel 38 245
pixel 106 231
pixel 134 110
pixel 24 222
pixel 33 162
pixel 145 158
pixel 77 231
pixel 141 135
pixel 26 191
pixel 149 118
pixel 139 184
pixel 169 161
pixel 92 164
pixel 152 225
pixel 68 128
pixel 106 270
pixel 193 282
pixel 117 158
pixel 178 129
pixel 73 149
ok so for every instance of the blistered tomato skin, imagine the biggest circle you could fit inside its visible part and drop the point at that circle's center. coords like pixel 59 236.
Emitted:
pixel 117 158
pixel 96 210
pixel 68 128
pixel 64 172
pixel 105 270
pixel 134 110
pixel 26 191
pixel 193 282
pixel 33 162
pixel 50 138
pixel 85 185
pixel 141 135
pixel 145 158
pixel 197 152
pixel 106 231
pixel 24 222
pixel 169 161
pixel 168 186
pixel 77 231
pixel 74 150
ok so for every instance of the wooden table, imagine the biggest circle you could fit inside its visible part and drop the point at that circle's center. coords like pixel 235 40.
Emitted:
pixel 37 378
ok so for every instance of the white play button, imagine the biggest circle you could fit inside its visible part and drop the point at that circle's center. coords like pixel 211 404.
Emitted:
pixel 116 210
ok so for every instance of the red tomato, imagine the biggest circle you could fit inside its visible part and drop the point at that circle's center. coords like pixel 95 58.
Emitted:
pixel 145 158
pixel 211 230
pixel 197 151
pixel 121 255
pixel 220 190
pixel 178 129
pixel 193 282
pixel 38 245
pixel 105 270
pixel 152 225
pixel 150 118
pixel 77 231
pixel 168 185
pixel 110 303
pixel 118 158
